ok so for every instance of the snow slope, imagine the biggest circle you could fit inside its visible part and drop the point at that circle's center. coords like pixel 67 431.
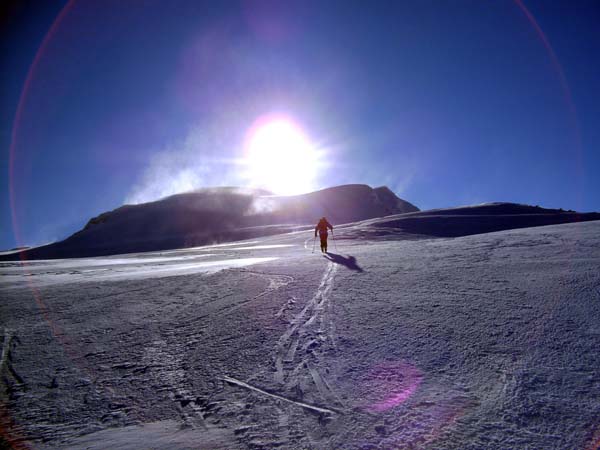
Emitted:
pixel 484 341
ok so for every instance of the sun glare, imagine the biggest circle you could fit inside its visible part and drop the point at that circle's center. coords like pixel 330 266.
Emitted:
pixel 281 158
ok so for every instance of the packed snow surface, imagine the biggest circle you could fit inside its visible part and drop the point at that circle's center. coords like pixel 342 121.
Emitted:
pixel 486 341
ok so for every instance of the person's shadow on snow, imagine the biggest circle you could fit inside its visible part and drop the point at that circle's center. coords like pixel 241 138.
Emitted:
pixel 349 262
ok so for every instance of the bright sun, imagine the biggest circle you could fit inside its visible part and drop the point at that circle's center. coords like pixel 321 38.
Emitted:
pixel 280 157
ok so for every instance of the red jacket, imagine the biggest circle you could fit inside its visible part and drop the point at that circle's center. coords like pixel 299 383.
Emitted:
pixel 322 227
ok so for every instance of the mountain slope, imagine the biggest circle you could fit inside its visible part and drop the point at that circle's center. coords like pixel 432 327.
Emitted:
pixel 217 215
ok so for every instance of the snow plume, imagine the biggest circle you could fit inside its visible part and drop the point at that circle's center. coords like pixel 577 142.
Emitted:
pixel 401 184
pixel 263 205
pixel 194 163
pixel 401 179
pixel 351 168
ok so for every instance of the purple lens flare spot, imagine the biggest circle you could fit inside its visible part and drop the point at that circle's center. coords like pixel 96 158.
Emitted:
pixel 393 384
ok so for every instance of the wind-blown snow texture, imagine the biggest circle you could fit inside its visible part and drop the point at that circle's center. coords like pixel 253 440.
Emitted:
pixel 485 341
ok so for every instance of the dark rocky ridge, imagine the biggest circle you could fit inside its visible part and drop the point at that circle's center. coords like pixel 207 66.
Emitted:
pixel 216 215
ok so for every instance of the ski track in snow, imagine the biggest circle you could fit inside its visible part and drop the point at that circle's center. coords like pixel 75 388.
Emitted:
pixel 310 328
pixel 296 372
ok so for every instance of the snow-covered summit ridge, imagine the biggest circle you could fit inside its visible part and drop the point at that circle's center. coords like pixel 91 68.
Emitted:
pixel 246 207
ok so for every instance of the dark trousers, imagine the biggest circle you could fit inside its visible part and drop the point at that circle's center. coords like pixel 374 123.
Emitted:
pixel 323 237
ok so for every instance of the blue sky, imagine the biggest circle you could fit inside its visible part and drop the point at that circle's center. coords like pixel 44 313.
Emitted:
pixel 446 102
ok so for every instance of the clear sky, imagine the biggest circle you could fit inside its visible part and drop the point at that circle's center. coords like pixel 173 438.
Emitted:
pixel 446 102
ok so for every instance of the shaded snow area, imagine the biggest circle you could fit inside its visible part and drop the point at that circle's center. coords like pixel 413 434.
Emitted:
pixel 487 341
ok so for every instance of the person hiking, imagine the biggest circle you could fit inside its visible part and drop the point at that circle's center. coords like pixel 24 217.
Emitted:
pixel 322 229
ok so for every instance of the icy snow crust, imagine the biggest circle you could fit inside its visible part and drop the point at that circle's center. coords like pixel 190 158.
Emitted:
pixel 486 341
